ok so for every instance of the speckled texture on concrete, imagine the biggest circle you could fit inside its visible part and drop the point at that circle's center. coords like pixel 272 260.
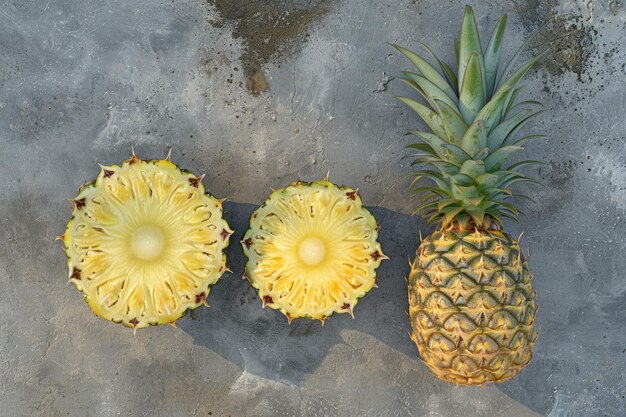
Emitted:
pixel 82 81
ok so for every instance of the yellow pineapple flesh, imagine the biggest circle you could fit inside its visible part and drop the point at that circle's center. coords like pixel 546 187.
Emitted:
pixel 312 250
pixel 145 242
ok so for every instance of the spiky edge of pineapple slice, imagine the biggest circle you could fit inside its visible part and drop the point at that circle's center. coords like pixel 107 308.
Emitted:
pixel 307 214
pixel 185 190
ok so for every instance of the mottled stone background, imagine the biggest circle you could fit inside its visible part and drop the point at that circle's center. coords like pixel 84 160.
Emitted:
pixel 257 94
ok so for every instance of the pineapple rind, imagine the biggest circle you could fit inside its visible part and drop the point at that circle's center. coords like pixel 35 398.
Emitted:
pixel 348 272
pixel 80 258
pixel 472 306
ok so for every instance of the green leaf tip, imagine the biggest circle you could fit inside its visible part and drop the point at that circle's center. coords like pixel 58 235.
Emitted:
pixel 474 115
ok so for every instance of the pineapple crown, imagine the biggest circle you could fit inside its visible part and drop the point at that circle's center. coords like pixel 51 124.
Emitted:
pixel 474 120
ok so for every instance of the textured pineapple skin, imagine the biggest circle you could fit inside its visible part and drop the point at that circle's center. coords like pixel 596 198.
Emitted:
pixel 472 306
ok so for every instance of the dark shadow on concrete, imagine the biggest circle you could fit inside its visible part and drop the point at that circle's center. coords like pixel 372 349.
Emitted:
pixel 263 343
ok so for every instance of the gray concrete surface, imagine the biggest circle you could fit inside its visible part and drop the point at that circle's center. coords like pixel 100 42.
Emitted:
pixel 82 81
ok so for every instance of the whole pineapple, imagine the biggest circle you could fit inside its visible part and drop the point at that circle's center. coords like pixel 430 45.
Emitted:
pixel 145 242
pixel 471 304
pixel 312 250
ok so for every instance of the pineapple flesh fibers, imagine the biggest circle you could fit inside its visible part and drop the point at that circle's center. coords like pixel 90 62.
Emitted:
pixel 471 304
pixel 312 250
pixel 145 242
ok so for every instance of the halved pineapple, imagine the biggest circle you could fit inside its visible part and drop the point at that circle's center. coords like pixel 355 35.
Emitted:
pixel 145 242
pixel 312 250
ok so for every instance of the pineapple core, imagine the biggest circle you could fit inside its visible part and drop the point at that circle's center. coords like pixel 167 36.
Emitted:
pixel 148 242
pixel 312 251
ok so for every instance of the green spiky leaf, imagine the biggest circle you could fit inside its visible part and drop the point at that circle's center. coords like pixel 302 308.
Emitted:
pixel 474 117
pixel 433 175
pixel 424 147
pixel 450 213
pixel 429 116
pixel 445 69
pixel 475 139
pixel 487 180
pixel 524 163
pixel 427 70
pixel 472 91
pixel 523 139
pixel 437 190
pixel 453 153
pixel 431 91
pixel 462 180
pixel 477 214
pixel 453 123
pixel 473 169
pixel 445 202
pixel 501 132
pixel 509 66
pixel 510 100
pixel 492 56
pixel 469 45
pixel 496 159
pixel 517 75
